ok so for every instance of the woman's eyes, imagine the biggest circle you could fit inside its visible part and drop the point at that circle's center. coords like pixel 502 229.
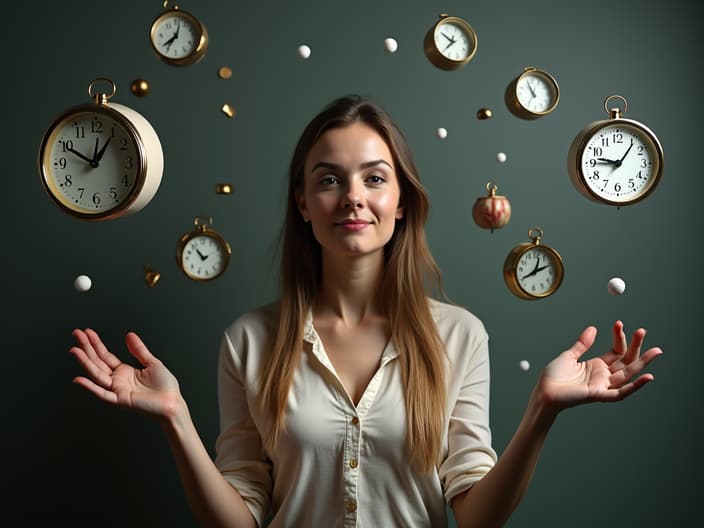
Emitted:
pixel 373 179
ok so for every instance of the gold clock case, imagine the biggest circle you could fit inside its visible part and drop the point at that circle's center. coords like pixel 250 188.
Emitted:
pixel 198 52
pixel 202 229
pixel 49 184
pixel 574 158
pixel 514 104
pixel 514 256
pixel 437 58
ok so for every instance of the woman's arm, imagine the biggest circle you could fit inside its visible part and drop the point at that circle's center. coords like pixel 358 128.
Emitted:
pixel 154 391
pixel 565 382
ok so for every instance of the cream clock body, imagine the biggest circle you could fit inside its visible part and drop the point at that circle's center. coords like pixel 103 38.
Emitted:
pixel 102 160
pixel 615 161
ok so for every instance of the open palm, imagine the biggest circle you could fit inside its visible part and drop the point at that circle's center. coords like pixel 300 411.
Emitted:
pixel 152 390
pixel 566 381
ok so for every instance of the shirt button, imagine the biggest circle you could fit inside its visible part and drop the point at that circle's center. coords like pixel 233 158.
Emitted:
pixel 351 506
pixel 355 420
pixel 354 463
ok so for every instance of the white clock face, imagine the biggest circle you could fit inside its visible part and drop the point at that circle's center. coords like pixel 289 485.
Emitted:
pixel 536 272
pixel 453 41
pixel 175 36
pixel 620 163
pixel 203 257
pixel 536 92
pixel 91 163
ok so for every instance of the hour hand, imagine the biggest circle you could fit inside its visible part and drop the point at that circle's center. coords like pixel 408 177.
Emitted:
pixel 83 157
pixel 607 160
pixel 99 155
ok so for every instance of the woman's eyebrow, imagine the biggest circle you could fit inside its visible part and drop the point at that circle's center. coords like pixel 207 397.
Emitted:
pixel 335 166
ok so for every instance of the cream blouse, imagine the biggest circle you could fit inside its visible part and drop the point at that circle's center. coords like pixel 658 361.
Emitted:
pixel 338 464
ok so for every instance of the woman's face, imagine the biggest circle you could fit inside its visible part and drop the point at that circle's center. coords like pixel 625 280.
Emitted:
pixel 351 192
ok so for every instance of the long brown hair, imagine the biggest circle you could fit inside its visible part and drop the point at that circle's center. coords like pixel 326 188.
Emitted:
pixel 410 276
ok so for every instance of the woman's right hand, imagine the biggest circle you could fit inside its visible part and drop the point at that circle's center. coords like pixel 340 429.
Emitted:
pixel 152 390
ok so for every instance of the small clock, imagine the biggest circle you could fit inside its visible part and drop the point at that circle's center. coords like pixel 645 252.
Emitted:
pixel 533 270
pixel 450 43
pixel 178 37
pixel 100 160
pixel 615 161
pixel 533 94
pixel 203 254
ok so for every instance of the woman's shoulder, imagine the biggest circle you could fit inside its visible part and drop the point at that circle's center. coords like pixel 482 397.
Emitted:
pixel 449 315
pixel 262 320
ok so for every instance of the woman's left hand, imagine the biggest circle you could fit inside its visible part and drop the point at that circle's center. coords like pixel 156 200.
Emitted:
pixel 567 382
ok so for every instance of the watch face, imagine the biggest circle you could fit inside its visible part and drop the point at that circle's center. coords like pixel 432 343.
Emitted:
pixel 204 257
pixel 620 163
pixel 91 163
pixel 538 272
pixel 453 41
pixel 536 92
pixel 175 36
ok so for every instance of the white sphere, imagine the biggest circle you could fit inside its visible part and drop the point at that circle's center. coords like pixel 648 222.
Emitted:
pixel 501 157
pixel 616 286
pixel 390 45
pixel 442 133
pixel 82 283
pixel 303 51
pixel 524 365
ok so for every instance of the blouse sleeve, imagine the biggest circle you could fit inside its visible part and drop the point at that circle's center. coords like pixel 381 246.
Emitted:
pixel 240 456
pixel 469 455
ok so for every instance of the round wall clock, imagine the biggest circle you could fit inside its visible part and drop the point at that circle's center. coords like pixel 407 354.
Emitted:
pixel 100 160
pixel 533 270
pixel 533 94
pixel 203 254
pixel 178 37
pixel 615 161
pixel 450 43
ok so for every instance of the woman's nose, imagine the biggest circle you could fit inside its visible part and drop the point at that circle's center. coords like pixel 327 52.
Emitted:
pixel 352 198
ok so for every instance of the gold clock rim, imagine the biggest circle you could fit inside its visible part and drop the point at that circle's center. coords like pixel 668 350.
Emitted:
pixel 511 277
pixel 579 144
pixel 49 185
pixel 438 59
pixel 203 230
pixel 198 52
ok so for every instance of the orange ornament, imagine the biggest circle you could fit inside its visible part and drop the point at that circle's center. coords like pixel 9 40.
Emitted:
pixel 491 211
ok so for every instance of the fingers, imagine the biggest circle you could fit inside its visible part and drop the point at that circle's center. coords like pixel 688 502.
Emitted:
pixel 619 379
pixel 139 350
pixel 622 353
pixel 102 351
pixel 583 343
pixel 87 343
pixel 628 388
pixel 96 390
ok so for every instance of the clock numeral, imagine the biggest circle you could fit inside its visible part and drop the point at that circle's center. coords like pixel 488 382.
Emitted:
pixel 617 187
pixel 595 175
pixel 113 193
pixel 597 151
pixel 80 132
pixel 130 162
pixel 592 162
pixel 96 127
pixel 61 163
pixel 68 181
pixel 631 183
pixel 126 180
pixel 604 142
pixel 123 143
pixel 81 190
pixel 644 163
pixel 66 145
pixel 617 137
pixel 96 198
pixel 640 150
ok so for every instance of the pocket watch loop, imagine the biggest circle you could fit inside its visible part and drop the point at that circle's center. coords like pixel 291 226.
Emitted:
pixel 535 234
pixel 101 98
pixel 615 112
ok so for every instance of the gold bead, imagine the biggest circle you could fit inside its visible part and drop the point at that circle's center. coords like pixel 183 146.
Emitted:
pixel 484 113
pixel 224 72
pixel 223 188
pixel 140 87
pixel 228 110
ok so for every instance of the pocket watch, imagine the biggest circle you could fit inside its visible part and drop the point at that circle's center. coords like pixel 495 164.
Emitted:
pixel 178 37
pixel 533 270
pixel 203 254
pixel 450 43
pixel 615 161
pixel 534 93
pixel 100 160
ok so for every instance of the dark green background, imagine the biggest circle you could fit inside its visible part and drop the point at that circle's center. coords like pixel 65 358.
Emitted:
pixel 72 460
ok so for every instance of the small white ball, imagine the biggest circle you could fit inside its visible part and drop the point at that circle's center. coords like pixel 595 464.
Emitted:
pixel 390 45
pixel 442 133
pixel 524 365
pixel 616 286
pixel 303 51
pixel 82 283
pixel 501 157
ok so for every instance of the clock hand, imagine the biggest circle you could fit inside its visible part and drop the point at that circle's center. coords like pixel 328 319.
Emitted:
pixel 99 156
pixel 95 150
pixel 90 161
pixel 541 268
pixel 532 92
pixel 450 44
pixel 202 257
pixel 448 38
pixel 625 154
pixel 535 270
pixel 615 163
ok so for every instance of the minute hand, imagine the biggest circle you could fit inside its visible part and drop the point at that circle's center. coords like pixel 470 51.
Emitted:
pixel 625 154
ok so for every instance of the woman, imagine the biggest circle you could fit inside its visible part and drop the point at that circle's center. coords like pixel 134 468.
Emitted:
pixel 357 399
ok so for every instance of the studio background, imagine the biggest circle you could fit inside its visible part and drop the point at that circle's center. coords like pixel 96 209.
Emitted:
pixel 72 459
